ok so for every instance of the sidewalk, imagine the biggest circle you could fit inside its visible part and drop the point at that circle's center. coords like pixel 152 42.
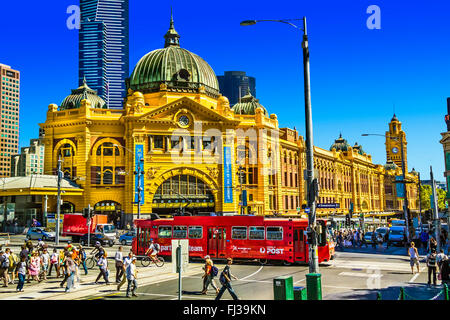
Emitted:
pixel 50 289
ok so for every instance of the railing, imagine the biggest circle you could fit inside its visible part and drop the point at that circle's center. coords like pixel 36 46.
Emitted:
pixel 405 296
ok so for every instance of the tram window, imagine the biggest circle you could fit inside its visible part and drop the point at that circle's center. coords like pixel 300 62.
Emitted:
pixel 195 232
pixel 239 233
pixel 179 232
pixel 165 232
pixel 274 233
pixel 256 233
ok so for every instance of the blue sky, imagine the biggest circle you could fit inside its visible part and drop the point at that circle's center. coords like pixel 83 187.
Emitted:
pixel 357 74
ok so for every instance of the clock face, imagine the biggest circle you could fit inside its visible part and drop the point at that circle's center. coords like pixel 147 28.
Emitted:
pixel 183 121
pixel 394 150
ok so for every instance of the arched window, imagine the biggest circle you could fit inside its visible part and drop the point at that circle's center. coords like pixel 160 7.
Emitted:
pixel 66 151
pixel 107 177
pixel 108 149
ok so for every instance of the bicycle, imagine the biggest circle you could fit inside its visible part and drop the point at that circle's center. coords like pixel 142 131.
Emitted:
pixel 146 261
pixel 92 261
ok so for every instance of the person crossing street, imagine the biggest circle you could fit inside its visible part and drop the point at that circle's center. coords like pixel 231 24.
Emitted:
pixel 132 278
pixel 225 280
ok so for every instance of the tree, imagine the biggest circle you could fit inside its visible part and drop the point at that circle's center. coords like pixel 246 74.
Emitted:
pixel 425 194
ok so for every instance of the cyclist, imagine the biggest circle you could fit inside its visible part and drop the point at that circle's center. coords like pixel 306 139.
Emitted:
pixel 153 250
pixel 98 249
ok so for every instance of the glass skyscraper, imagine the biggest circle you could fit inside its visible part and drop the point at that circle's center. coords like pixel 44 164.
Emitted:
pixel 235 85
pixel 104 48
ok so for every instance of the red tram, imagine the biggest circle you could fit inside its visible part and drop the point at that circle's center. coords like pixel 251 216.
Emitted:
pixel 239 237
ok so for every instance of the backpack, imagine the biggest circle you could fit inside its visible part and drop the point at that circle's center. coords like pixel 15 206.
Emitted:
pixel 5 263
pixel 13 260
pixel 432 260
pixel 214 271
pixel 222 278
pixel 157 247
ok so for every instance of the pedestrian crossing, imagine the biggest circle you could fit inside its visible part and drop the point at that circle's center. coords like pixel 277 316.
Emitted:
pixel 372 265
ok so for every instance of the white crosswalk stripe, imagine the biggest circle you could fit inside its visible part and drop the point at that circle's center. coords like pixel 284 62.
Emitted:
pixel 364 265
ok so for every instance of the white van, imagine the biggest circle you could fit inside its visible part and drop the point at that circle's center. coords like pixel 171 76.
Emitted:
pixel 396 235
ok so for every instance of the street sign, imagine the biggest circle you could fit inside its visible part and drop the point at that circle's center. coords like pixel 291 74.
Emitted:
pixel 184 254
pixel 307 210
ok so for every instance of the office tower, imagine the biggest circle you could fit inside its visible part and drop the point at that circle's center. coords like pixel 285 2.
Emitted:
pixel 235 85
pixel 29 161
pixel 104 48
pixel 9 105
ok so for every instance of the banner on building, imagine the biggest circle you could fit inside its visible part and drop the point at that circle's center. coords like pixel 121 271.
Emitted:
pixel 400 187
pixel 139 154
pixel 227 175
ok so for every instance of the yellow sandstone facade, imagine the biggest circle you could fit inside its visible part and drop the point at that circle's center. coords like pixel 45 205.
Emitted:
pixel 193 145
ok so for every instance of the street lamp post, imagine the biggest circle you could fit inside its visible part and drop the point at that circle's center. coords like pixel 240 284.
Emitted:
pixel 312 185
pixel 58 202
pixel 405 203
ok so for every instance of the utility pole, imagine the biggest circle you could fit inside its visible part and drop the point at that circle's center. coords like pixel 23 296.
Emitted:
pixel 58 201
pixel 435 211
pixel 405 204
pixel 311 181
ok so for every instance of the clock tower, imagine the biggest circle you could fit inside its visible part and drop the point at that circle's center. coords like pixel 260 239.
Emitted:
pixel 394 139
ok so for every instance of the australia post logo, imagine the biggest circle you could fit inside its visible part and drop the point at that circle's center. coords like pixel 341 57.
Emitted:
pixel 271 250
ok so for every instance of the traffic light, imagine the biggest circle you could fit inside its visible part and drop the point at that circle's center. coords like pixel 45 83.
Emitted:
pixel 87 213
pixel 347 220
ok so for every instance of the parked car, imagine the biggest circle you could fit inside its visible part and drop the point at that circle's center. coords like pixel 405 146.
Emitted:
pixel 36 233
pixel 94 237
pixel 397 235
pixel 127 238
pixel 368 237
pixel 383 231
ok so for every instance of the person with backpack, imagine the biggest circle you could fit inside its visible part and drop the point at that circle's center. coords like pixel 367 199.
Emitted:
pixel 4 266
pixel 82 255
pixel 13 261
pixel 432 264
pixel 54 263
pixel 225 280
pixel 208 277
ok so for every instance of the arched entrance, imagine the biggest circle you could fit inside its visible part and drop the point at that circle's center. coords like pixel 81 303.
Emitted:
pixel 67 207
pixel 110 208
pixel 183 193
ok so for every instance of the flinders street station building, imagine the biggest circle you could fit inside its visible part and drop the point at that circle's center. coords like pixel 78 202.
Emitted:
pixel 198 154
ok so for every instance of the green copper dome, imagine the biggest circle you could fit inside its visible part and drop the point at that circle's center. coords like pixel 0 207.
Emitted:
pixel 177 68
pixel 340 144
pixel 359 148
pixel 390 165
pixel 73 101
pixel 248 105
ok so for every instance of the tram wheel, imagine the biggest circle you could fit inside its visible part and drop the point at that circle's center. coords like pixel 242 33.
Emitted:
pixel 263 261
pixel 287 263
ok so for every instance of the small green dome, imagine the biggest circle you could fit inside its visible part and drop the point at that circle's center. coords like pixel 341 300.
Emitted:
pixel 248 105
pixel 390 165
pixel 176 67
pixel 359 148
pixel 73 101
pixel 340 144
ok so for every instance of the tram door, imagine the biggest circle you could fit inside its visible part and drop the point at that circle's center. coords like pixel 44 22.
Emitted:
pixel 299 245
pixel 217 239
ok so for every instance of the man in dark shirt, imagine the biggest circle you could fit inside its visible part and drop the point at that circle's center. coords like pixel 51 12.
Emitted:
pixel 225 280
pixel 445 272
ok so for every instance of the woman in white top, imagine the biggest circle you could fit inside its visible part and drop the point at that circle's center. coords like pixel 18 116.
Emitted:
pixel 103 264
pixel 413 257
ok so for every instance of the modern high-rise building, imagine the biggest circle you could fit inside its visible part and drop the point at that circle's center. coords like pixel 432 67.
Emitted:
pixel 29 161
pixel 235 85
pixel 104 48
pixel 9 105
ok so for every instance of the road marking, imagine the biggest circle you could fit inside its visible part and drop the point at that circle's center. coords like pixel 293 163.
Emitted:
pixel 416 275
pixel 252 273
pixel 361 275
pixel 299 281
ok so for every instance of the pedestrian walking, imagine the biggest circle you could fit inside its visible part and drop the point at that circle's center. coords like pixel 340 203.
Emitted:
pixel 208 276
pixel 54 263
pixel 126 262
pixel 62 265
pixel 374 240
pixel 45 261
pixel 34 267
pixel 4 266
pixel 82 255
pixel 70 271
pixel 413 257
pixel 103 266
pixel 432 264
pixel 132 278
pixel 13 261
pixel 225 280
pixel 118 258
pixel 440 258
pixel 76 258
pixel 21 270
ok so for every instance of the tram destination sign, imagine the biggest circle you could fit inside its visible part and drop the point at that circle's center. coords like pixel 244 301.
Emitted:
pixel 328 205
